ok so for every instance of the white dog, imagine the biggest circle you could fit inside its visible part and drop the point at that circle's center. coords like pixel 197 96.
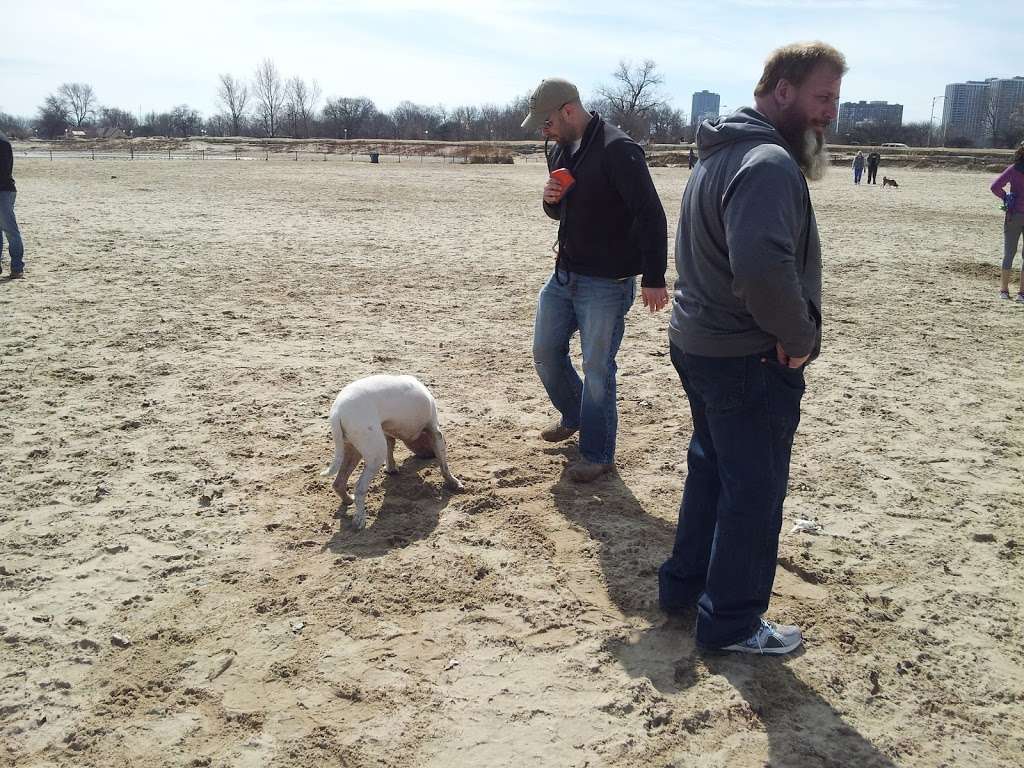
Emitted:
pixel 366 419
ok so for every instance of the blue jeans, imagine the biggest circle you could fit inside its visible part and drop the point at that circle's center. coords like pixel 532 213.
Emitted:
pixel 857 174
pixel 745 414
pixel 9 227
pixel 597 307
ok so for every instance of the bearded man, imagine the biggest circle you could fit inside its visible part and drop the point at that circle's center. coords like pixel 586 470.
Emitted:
pixel 746 319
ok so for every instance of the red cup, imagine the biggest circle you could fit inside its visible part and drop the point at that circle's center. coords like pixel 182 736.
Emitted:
pixel 563 177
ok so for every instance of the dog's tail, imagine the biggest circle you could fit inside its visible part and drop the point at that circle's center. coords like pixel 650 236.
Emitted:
pixel 339 446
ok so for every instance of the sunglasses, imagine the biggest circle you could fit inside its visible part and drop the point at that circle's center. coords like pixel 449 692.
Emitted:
pixel 547 124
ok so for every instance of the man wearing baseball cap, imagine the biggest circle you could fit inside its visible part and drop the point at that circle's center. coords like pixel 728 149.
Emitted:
pixel 611 228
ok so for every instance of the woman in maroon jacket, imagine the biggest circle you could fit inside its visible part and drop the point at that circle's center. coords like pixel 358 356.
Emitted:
pixel 1013 226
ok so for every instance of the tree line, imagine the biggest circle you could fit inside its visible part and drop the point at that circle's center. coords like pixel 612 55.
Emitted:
pixel 270 105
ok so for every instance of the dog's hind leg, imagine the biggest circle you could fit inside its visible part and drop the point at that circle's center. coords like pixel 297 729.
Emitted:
pixel 391 468
pixel 352 458
pixel 372 445
pixel 370 468
pixel 441 450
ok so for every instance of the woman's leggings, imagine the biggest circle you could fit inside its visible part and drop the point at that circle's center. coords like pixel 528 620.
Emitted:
pixel 1012 230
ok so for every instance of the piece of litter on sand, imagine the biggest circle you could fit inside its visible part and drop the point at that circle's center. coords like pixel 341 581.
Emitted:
pixel 120 641
pixel 452 664
pixel 810 526
pixel 226 662
pixel 297 626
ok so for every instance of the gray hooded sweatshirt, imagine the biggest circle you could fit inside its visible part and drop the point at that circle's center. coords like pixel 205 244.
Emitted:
pixel 747 249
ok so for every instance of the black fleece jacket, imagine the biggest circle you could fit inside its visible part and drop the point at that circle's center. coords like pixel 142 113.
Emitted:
pixel 6 167
pixel 611 222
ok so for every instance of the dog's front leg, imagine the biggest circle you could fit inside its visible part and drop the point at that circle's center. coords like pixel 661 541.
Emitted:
pixel 391 469
pixel 442 456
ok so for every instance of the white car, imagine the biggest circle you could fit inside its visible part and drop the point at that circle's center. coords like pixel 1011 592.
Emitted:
pixel 898 144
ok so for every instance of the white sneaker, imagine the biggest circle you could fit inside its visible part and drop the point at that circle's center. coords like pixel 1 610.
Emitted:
pixel 1020 298
pixel 771 639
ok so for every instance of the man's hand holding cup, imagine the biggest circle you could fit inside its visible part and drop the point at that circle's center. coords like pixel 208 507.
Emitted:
pixel 559 183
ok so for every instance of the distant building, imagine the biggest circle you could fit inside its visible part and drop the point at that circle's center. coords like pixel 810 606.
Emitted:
pixel 705 104
pixel 861 114
pixel 980 110
pixel 1006 100
pixel 963 110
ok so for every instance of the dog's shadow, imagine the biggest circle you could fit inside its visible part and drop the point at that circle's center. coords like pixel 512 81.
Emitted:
pixel 408 511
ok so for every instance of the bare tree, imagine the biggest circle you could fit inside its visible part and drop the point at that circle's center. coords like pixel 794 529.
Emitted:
pixel 80 100
pixel 465 123
pixel 413 121
pixel 349 118
pixel 268 91
pixel 53 117
pixel 300 104
pixel 667 125
pixel 633 96
pixel 112 117
pixel 185 119
pixel 234 96
pixel 14 126
pixel 1015 126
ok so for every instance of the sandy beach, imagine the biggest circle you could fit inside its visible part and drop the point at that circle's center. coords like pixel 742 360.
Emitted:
pixel 180 588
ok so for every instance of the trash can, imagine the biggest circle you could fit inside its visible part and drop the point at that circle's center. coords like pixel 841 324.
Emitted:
pixel 375 157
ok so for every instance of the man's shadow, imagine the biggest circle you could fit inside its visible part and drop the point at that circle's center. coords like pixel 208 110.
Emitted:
pixel 409 511
pixel 632 543
pixel 803 729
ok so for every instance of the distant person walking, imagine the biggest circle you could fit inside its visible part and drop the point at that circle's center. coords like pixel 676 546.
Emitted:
pixel 873 160
pixel 692 160
pixel 746 319
pixel 858 167
pixel 1013 224
pixel 611 227
pixel 8 223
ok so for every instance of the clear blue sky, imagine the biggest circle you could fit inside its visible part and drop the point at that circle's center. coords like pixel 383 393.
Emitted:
pixel 141 55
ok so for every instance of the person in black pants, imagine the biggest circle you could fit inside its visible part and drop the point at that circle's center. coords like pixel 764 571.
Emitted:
pixel 873 160
pixel 8 224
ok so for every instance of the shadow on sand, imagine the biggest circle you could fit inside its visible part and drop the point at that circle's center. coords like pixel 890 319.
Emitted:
pixel 632 543
pixel 802 728
pixel 409 511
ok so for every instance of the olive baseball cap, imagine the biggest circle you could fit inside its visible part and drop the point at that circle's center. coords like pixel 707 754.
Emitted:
pixel 552 93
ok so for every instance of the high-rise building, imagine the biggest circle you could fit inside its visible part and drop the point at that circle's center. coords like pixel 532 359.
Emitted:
pixel 962 111
pixel 981 110
pixel 860 114
pixel 705 104
pixel 1006 99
